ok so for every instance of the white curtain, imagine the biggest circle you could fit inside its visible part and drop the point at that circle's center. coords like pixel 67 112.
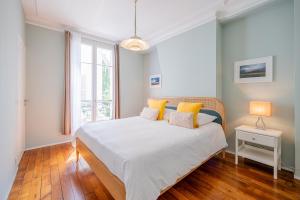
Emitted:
pixel 75 81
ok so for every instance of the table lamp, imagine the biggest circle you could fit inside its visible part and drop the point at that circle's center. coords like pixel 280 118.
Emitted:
pixel 260 109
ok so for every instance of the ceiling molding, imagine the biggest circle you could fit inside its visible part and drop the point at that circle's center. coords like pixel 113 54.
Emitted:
pixel 179 29
pixel 53 27
pixel 218 11
pixel 228 15
pixel 61 28
pixel 222 16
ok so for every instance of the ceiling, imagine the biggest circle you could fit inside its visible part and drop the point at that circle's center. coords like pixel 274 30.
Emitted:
pixel 113 19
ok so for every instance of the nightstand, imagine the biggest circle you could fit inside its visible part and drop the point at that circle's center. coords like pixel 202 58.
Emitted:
pixel 269 138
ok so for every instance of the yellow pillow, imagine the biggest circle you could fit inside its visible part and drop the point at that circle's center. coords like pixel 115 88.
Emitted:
pixel 190 107
pixel 158 104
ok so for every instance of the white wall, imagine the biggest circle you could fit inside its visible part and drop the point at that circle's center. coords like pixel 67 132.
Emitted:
pixel 131 83
pixel 45 86
pixel 12 139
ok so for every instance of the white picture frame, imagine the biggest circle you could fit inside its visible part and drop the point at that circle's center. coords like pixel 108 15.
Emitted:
pixel 258 70
pixel 155 81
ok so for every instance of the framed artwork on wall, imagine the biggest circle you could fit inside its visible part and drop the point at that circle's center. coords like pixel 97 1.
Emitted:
pixel 155 81
pixel 257 70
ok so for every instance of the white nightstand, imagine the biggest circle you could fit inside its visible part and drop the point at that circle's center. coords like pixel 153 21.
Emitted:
pixel 268 137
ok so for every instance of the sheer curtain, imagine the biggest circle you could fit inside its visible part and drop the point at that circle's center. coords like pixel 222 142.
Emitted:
pixel 72 82
pixel 75 51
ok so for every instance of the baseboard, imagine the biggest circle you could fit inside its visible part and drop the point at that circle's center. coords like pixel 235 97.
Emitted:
pixel 15 175
pixel 297 177
pixel 230 152
pixel 51 144
pixel 19 157
pixel 289 169
pixel 285 168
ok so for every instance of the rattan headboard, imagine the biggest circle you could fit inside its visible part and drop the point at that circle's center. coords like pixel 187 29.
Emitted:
pixel 209 103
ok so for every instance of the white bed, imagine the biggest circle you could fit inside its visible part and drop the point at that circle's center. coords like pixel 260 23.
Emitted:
pixel 149 156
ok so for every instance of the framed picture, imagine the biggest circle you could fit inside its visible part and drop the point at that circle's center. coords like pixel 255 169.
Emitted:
pixel 254 71
pixel 155 81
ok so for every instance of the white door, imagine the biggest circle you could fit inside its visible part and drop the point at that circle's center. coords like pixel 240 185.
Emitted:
pixel 20 99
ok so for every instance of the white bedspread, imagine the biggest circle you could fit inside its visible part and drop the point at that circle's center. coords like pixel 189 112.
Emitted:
pixel 149 156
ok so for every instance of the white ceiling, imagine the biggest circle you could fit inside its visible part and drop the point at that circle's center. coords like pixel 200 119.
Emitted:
pixel 113 19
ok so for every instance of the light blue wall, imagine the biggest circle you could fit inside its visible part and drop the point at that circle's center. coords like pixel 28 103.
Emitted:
pixel 131 83
pixel 187 63
pixel 219 60
pixel 45 86
pixel 297 85
pixel 266 32
pixel 11 33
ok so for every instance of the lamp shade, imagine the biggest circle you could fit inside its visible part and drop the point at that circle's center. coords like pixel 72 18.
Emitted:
pixel 260 108
pixel 135 44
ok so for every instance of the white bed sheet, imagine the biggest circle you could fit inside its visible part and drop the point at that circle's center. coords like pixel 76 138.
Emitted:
pixel 148 156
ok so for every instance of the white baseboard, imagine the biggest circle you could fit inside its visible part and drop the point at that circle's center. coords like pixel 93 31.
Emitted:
pixel 15 175
pixel 19 157
pixel 288 169
pixel 51 144
pixel 283 167
pixel 230 152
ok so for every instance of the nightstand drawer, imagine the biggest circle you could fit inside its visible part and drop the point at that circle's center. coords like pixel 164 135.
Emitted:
pixel 256 138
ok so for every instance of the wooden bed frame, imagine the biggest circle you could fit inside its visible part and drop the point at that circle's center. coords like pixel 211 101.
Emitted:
pixel 112 183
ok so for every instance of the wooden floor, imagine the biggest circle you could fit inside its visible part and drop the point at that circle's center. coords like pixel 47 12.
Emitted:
pixel 52 173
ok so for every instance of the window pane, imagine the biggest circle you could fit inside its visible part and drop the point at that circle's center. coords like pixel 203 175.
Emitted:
pixel 104 110
pixel 99 83
pixel 86 110
pixel 86 81
pixel 104 83
pixel 86 53
pixel 104 57
pixel 86 92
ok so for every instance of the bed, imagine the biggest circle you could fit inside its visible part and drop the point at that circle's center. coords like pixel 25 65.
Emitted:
pixel 136 158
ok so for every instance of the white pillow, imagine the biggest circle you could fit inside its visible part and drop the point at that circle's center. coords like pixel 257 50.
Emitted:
pixel 149 113
pixel 183 119
pixel 167 113
pixel 205 119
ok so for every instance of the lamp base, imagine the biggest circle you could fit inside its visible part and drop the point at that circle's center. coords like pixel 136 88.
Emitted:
pixel 260 124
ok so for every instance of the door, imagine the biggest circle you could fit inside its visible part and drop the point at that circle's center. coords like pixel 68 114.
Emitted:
pixel 20 99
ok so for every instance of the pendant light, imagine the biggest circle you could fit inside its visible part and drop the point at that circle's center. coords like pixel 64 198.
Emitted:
pixel 135 43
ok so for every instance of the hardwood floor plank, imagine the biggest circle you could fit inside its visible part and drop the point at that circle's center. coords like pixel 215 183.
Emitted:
pixel 52 173
pixel 64 171
pixel 25 192
pixel 35 190
pixel 16 189
pixel 56 193
pixel 46 190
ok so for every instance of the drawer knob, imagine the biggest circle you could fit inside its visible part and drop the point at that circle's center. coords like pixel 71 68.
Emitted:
pixel 253 138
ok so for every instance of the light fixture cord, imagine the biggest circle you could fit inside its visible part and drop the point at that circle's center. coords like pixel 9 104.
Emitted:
pixel 135 17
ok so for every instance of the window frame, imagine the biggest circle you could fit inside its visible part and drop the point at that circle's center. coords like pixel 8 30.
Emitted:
pixel 95 45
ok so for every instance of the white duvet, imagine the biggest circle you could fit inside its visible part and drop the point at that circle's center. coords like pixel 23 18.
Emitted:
pixel 149 156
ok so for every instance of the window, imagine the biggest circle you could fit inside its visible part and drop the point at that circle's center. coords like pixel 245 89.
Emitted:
pixel 96 82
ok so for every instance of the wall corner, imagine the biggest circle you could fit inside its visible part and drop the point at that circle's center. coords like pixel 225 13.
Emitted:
pixel 297 85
